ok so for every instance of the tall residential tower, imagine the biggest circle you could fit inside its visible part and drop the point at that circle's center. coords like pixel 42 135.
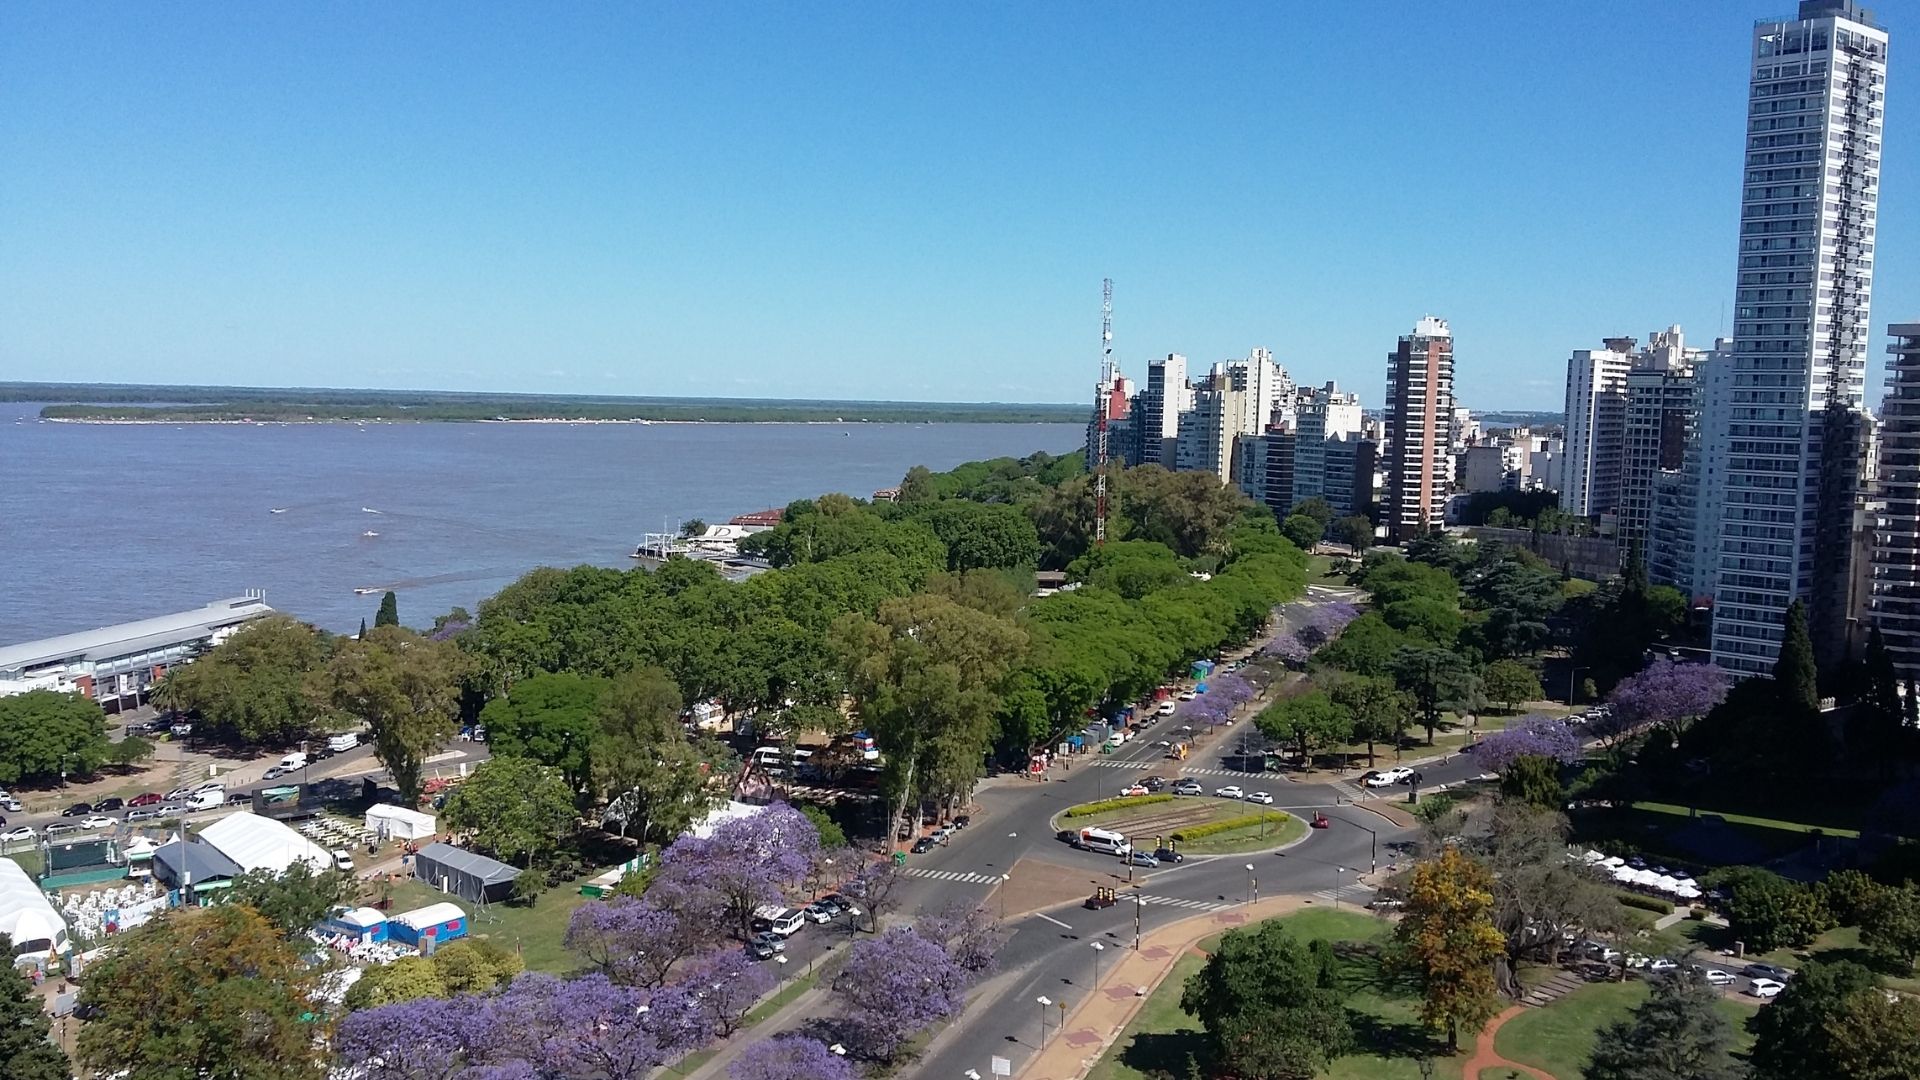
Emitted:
pixel 1419 415
pixel 1793 431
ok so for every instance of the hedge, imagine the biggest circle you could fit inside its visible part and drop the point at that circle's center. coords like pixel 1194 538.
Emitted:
pixel 1645 903
pixel 1101 807
pixel 1195 832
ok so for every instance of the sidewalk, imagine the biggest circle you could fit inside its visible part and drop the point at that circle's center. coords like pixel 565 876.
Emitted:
pixel 1094 1022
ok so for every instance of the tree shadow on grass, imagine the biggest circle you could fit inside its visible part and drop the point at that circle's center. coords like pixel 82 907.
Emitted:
pixel 1165 1053
pixel 1386 1038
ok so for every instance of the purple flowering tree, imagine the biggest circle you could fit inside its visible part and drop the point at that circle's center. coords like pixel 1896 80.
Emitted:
pixel 893 986
pixel 872 888
pixel 790 1057
pixel 745 863
pixel 1532 736
pixel 1321 623
pixel 968 933
pixel 725 987
pixel 423 1039
pixel 1668 694
pixel 1287 648
pixel 635 942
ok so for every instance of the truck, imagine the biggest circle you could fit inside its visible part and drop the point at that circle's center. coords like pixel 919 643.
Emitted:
pixel 286 803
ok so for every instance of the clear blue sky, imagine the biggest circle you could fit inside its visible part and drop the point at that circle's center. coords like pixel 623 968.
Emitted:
pixel 877 200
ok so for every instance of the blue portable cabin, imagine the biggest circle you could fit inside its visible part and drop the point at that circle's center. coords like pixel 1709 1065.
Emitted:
pixel 360 924
pixel 424 927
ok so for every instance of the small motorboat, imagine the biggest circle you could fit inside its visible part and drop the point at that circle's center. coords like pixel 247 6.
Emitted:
pixel 369 534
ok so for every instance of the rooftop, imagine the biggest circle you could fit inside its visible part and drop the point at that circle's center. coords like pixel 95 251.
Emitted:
pixel 159 631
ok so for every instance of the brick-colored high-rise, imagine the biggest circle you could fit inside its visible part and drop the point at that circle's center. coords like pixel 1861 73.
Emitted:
pixel 1419 414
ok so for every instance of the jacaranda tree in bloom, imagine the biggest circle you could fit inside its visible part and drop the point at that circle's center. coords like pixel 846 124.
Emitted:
pixel 724 986
pixel 747 862
pixel 1532 736
pixel 1669 694
pixel 635 942
pixel 893 986
pixel 790 1057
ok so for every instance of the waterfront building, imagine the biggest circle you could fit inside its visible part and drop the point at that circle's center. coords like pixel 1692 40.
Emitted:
pixel 1796 436
pixel 1895 588
pixel 1419 422
pixel 118 665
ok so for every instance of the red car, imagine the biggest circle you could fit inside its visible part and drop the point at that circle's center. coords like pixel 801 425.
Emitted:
pixel 149 799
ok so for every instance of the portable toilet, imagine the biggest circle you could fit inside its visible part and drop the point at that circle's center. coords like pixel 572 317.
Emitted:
pixel 442 922
pixel 360 924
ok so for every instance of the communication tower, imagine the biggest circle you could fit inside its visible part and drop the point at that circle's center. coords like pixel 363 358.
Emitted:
pixel 1103 401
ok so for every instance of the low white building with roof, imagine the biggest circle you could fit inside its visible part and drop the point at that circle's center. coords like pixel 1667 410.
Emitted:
pixel 253 842
pixel 117 664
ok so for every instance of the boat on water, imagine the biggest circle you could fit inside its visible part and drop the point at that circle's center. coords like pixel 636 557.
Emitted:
pixel 368 510
pixel 366 590
pixel 277 510
pixel 369 533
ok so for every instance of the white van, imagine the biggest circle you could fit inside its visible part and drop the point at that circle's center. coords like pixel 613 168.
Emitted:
pixel 779 920
pixel 1105 841
pixel 210 799
pixel 340 744
pixel 293 761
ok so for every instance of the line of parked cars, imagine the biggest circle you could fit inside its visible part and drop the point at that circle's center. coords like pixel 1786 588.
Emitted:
pixel 773 925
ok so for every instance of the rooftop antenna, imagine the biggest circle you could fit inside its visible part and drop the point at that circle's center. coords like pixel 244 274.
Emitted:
pixel 1103 397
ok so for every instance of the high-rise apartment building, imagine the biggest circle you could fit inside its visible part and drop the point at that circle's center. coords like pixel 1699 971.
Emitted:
pixel 1348 464
pixel 1596 428
pixel 1167 396
pixel 1419 421
pixel 1794 433
pixel 1660 416
pixel 1682 547
pixel 1267 468
pixel 1208 429
pixel 1896 542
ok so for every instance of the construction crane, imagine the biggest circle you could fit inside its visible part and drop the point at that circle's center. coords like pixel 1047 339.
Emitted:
pixel 1103 401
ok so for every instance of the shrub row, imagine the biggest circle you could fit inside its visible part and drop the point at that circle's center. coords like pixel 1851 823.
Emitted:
pixel 1086 809
pixel 1645 903
pixel 1195 832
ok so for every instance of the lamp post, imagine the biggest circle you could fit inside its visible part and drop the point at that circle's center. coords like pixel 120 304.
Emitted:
pixel 1138 905
pixel 1004 878
pixel 1043 1001
pixel 1098 948
pixel 1571 674
pixel 1374 853
pixel 1253 886
pixel 1339 882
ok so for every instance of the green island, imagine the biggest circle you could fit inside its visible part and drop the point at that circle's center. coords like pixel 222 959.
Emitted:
pixel 240 404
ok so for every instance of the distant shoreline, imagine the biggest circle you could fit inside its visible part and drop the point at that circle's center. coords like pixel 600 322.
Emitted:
pixel 125 421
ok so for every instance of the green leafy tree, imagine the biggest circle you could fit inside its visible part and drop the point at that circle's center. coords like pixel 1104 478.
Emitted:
pixel 293 900
pixel 1306 720
pixel 1268 1006
pixel 1431 676
pixel 24 1046
pixel 1448 943
pixel 1514 598
pixel 1794 1035
pixel 1355 531
pixel 1317 508
pixel 1890 926
pixel 1769 912
pixel 1377 709
pixel 514 807
pixel 253 685
pixel 1795 675
pixel 44 734
pixel 241 1003
pixel 693 527
pixel 982 536
pixel 1533 781
pixel 389 613
pixel 1876 1037
pixel 1367 646
pixel 1302 530
pixel 129 752
pixel 476 966
pixel 918 486
pixel 1849 896
pixel 645 767
pixel 1511 683
pixel 1678 1032
pixel 406 687
pixel 553 719
pixel 832 836
pixel 409 978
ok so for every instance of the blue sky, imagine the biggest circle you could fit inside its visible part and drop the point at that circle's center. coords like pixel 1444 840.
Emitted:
pixel 874 200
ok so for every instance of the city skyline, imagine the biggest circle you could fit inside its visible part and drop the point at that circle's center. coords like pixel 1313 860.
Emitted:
pixel 578 206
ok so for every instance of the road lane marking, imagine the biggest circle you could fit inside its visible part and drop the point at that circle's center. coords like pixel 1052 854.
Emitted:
pixel 1054 921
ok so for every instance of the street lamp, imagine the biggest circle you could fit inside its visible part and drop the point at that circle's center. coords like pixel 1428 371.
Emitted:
pixel 1571 673
pixel 1339 882
pixel 1253 886
pixel 1138 905
pixel 1043 1001
pixel 1374 854
pixel 1098 948
pixel 1004 878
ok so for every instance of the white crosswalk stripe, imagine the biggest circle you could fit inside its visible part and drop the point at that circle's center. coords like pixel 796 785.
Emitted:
pixel 950 875
pixel 1105 763
pixel 1180 902
pixel 1345 892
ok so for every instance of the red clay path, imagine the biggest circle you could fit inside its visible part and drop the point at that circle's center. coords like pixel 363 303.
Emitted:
pixel 1486 1064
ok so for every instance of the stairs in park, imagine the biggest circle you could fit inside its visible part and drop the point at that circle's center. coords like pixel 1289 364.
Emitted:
pixel 1558 985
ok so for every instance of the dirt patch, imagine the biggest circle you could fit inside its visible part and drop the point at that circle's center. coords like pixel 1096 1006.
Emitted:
pixel 1034 885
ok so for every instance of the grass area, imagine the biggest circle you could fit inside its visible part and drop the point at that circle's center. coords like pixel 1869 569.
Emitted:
pixel 1251 838
pixel 535 932
pixel 29 861
pixel 1162 1037
pixel 1707 841
pixel 1774 824
pixel 1320 571
pixel 1193 806
pixel 1560 1038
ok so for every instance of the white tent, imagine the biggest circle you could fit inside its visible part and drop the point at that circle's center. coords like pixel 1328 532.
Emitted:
pixel 257 843
pixel 399 823
pixel 1624 873
pixel 1613 861
pixel 720 815
pixel 1646 878
pixel 1687 892
pixel 27 916
pixel 1592 857
pixel 1666 884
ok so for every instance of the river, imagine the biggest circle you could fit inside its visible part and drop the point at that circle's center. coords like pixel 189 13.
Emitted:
pixel 105 523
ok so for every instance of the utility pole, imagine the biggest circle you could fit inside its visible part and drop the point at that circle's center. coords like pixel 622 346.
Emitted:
pixel 1103 399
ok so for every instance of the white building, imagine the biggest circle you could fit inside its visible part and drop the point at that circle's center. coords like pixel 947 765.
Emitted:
pixel 1167 396
pixel 1896 545
pixel 1809 199
pixel 115 665
pixel 1596 428
pixel 1683 529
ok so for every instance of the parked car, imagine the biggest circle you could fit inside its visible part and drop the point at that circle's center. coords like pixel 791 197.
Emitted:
pixel 18 833
pixel 79 809
pixel 148 799
pixel 180 731
pixel 1168 855
pixel 1141 858
pixel 1767 971
pixel 1389 777
pixel 10 804
pixel 1765 988
pixel 60 827
pixel 1261 797
pixel 1187 695
pixel 108 806
pixel 923 845
pixel 1231 791
pixel 172 809
pixel 770 940
pixel 1660 965
pixel 342 858
pixel 1187 787
pixel 1716 977
pixel 145 813
pixel 1165 708
pixel 961 822
pixel 181 792
pixel 819 912
pixel 238 797
pixel 97 821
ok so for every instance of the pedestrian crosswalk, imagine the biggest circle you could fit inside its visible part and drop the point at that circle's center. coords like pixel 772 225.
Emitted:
pixel 1181 902
pixel 1184 770
pixel 1351 893
pixel 963 876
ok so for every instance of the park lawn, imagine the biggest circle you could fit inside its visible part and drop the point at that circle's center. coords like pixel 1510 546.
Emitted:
pixel 1560 1037
pixel 1161 1036
pixel 1320 571
pixel 535 932
pixel 1215 809
pixel 1774 824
